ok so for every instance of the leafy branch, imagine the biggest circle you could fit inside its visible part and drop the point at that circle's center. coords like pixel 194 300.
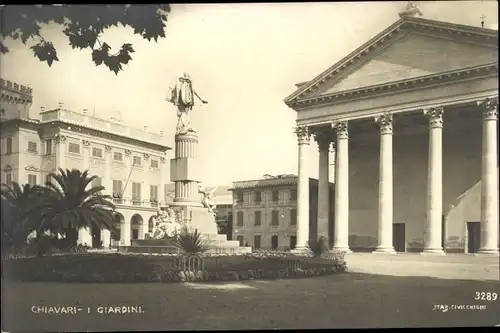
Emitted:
pixel 83 25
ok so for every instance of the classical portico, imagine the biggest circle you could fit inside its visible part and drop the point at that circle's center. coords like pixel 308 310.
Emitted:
pixel 412 115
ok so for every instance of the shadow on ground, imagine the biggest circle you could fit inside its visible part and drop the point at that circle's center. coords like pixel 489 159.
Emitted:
pixel 352 300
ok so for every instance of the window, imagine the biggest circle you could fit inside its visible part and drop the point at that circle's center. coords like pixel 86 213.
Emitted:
pixel 117 188
pixel 117 156
pixel 154 164
pixel 153 193
pixel 275 196
pixel 239 197
pixel 97 152
pixel 256 241
pixel 293 242
pixel 8 149
pixel 274 242
pixel 240 239
pixel 8 179
pixel 48 147
pixel 32 147
pixel 32 180
pixel 135 234
pixel 136 160
pixel 166 193
pixel 74 148
pixel 275 220
pixel 293 217
pixel 47 179
pixel 136 193
pixel 293 194
pixel 258 197
pixel 239 219
pixel 258 218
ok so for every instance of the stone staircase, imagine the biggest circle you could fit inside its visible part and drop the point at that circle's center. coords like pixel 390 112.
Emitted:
pixel 218 244
pixel 221 244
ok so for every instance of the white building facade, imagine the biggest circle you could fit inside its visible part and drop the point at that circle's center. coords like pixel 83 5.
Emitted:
pixel 412 115
pixel 129 162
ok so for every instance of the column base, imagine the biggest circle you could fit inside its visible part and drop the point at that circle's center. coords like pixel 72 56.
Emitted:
pixel 341 249
pixel 384 250
pixel 487 252
pixel 433 252
pixel 300 250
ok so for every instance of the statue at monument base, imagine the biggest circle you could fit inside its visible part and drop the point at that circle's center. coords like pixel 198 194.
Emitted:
pixel 167 224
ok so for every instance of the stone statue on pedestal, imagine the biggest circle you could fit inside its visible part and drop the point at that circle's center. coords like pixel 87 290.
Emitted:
pixel 182 96
pixel 207 198
pixel 166 224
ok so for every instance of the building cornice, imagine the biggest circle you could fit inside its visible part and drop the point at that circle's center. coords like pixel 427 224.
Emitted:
pixel 476 72
pixel 461 33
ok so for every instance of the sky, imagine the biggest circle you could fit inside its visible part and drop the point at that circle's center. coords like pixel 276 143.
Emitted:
pixel 244 59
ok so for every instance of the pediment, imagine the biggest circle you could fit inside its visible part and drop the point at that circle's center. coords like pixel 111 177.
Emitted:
pixel 32 168
pixel 411 48
pixel 7 168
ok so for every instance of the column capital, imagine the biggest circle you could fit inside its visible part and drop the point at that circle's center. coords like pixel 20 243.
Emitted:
pixel 489 108
pixel 341 129
pixel 303 134
pixel 60 138
pixel 323 139
pixel 86 143
pixel 107 148
pixel 435 116
pixel 385 123
pixel 128 152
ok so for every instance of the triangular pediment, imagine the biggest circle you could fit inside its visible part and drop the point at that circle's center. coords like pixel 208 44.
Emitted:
pixel 7 168
pixel 409 49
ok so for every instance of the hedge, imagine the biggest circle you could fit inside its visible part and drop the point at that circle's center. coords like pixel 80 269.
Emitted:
pixel 140 268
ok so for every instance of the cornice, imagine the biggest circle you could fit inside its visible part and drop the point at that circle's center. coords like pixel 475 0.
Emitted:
pixel 482 71
pixel 437 29
pixel 94 132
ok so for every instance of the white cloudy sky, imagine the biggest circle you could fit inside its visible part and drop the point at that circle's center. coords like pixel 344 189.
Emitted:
pixel 243 58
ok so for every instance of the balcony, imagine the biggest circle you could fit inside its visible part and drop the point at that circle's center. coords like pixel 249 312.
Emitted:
pixel 101 125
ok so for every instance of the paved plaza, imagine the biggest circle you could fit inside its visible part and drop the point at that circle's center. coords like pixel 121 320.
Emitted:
pixel 379 291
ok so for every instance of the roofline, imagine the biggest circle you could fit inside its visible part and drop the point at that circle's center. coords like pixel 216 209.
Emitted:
pixel 314 180
pixel 388 31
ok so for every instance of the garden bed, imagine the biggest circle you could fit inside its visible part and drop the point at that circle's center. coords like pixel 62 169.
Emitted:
pixel 115 268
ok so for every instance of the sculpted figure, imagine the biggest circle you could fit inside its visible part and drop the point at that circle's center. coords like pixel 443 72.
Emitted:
pixel 166 224
pixel 182 96
pixel 207 197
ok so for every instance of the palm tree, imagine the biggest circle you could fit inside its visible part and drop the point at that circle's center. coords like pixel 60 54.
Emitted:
pixel 69 205
pixel 16 201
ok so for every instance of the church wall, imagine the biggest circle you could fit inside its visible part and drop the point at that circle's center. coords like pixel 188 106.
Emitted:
pixel 461 170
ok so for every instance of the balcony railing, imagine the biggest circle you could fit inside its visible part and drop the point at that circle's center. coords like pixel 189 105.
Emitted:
pixel 101 124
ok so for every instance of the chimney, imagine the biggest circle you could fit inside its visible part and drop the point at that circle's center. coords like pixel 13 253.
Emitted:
pixel 410 10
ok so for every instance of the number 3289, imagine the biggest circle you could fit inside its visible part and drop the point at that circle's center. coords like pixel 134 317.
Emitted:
pixel 486 296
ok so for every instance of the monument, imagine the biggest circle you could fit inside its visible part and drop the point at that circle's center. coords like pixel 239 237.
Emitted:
pixel 193 205
pixel 193 201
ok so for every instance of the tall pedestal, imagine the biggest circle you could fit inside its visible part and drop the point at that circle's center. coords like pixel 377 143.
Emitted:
pixel 184 173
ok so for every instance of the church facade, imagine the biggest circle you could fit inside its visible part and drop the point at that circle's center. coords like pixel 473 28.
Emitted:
pixel 412 115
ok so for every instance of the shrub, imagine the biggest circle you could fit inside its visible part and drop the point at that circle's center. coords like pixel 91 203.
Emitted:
pixel 189 241
pixel 318 247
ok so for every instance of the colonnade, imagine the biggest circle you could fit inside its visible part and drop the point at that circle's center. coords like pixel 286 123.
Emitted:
pixel 339 137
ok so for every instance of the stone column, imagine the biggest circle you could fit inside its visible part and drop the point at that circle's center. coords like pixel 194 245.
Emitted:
pixel 125 232
pixel 323 140
pixel 127 183
pixel 341 234
pixel 303 137
pixel 385 187
pixel 489 179
pixel 84 234
pixel 106 238
pixel 108 179
pixel 60 152
pixel 145 191
pixel 432 244
pixel 161 189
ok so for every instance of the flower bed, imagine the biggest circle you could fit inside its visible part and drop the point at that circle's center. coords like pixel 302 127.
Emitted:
pixel 94 267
